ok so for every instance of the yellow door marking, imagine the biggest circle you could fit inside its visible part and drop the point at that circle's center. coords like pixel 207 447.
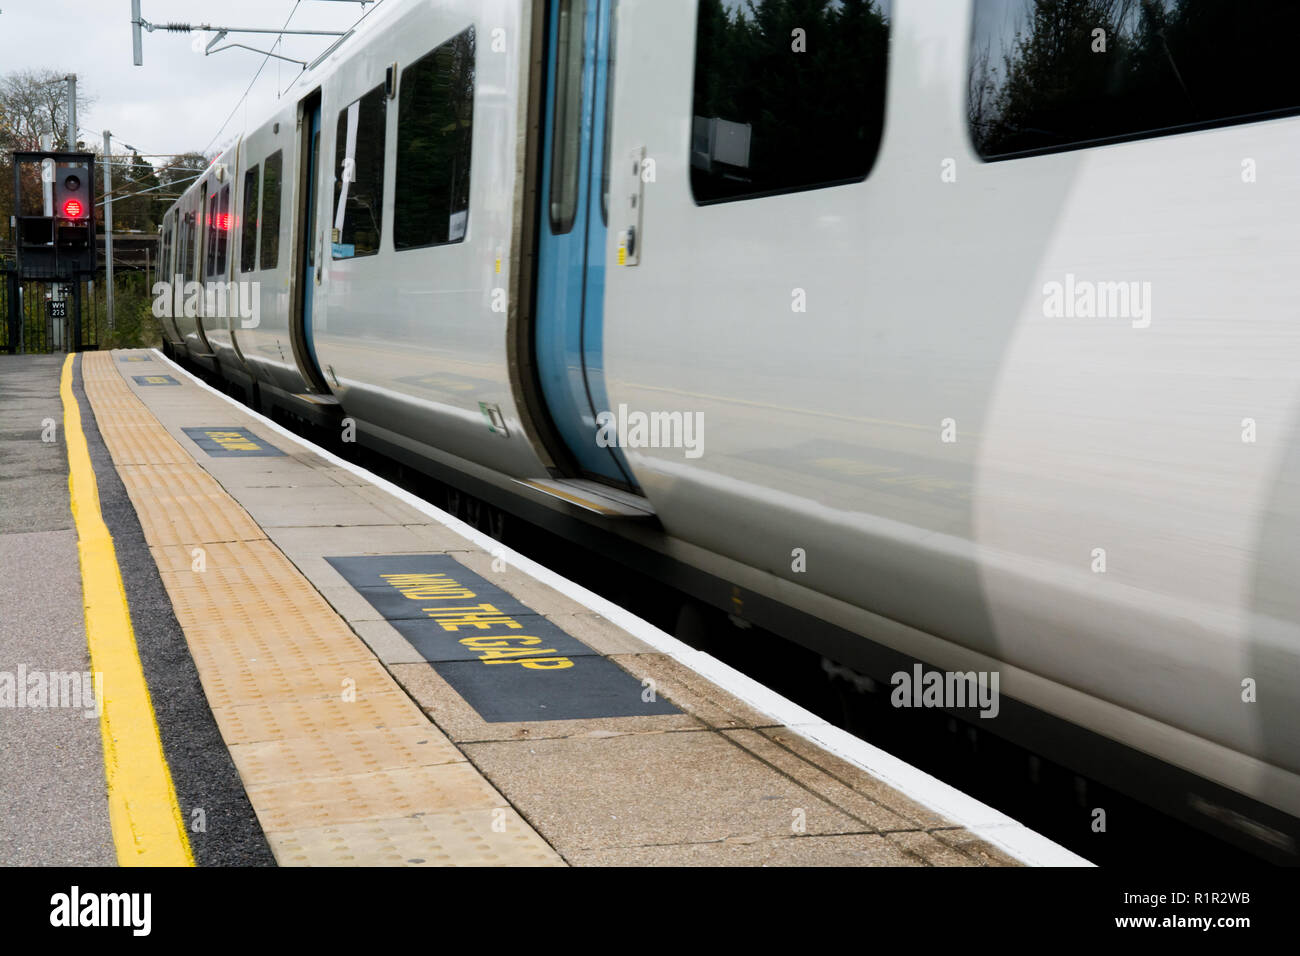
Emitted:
pixel 584 502
pixel 148 828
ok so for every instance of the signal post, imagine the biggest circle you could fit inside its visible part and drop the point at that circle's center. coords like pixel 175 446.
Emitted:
pixel 54 201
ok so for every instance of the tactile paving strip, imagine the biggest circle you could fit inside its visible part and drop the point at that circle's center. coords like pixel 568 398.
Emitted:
pixel 478 838
pixel 344 752
pixel 290 719
pixel 140 444
pixel 370 796
pixel 341 767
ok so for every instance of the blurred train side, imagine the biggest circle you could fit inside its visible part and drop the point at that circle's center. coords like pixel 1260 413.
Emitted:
pixel 824 429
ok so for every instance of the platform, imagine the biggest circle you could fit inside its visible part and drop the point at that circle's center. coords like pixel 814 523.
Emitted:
pixel 305 665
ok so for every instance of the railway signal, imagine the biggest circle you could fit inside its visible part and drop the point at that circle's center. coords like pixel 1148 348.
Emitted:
pixel 71 190
pixel 59 242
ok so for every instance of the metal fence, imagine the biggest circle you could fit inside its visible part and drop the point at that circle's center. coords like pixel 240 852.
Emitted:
pixel 40 317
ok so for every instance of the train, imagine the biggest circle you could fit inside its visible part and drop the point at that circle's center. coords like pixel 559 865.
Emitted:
pixel 952 332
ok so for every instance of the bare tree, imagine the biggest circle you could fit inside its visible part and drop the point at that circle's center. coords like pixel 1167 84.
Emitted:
pixel 33 102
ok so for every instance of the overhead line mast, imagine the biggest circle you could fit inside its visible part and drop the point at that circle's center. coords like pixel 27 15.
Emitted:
pixel 139 25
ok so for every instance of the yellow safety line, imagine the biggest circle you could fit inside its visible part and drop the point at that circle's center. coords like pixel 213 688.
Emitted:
pixel 148 828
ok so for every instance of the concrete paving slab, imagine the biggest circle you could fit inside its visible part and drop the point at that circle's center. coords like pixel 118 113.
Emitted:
pixel 982 852
pixel 838 851
pixel 401 512
pixel 858 779
pixel 339 475
pixel 873 815
pixel 933 852
pixel 651 789
pixel 268 473
pixel 321 507
pixel 384 539
pixel 386 643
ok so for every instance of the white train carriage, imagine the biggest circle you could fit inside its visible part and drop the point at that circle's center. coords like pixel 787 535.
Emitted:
pixel 989 349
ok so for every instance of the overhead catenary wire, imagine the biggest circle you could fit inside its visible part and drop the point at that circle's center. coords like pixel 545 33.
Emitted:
pixel 265 60
pixel 176 163
pixel 142 192
pixel 366 11
pixel 117 195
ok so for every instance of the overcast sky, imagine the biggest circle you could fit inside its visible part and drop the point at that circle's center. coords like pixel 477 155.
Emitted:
pixel 179 99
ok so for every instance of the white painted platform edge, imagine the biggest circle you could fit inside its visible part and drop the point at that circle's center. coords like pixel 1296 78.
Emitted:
pixel 985 822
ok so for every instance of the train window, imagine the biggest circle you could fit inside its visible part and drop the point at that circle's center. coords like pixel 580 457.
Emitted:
pixel 787 96
pixel 435 127
pixel 187 246
pixel 200 210
pixel 609 111
pixel 271 179
pixel 570 57
pixel 218 231
pixel 165 263
pixel 1046 77
pixel 359 176
pixel 248 233
pixel 223 230
pixel 212 235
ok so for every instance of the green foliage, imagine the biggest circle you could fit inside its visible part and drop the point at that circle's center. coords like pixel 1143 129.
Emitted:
pixel 135 210
pixel 135 325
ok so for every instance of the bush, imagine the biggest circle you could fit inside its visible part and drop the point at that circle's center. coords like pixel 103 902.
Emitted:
pixel 135 326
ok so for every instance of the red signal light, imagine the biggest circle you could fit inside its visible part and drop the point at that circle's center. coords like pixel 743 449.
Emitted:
pixel 72 209
pixel 223 222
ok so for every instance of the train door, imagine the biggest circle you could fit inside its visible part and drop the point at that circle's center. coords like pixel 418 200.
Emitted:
pixel 172 257
pixel 572 230
pixel 309 244
pixel 200 350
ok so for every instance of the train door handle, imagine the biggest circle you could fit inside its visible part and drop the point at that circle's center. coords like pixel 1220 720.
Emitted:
pixel 629 237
